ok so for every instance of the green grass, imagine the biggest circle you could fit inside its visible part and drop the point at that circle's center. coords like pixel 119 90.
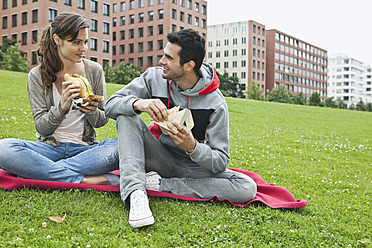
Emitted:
pixel 321 155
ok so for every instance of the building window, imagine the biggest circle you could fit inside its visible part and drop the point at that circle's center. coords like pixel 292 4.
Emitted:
pixel 93 44
pixel 122 6
pixel 189 19
pixel 34 37
pixel 114 22
pixel 5 22
pixel 174 28
pixel 106 28
pixel 131 33
pixel 131 4
pixel 140 32
pixel 81 4
pixel 14 20
pixel 160 44
pixel 151 2
pixel 160 14
pixel 34 16
pixel 174 14
pixel 197 7
pixel 114 8
pixel 106 45
pixel 226 53
pixel 226 64
pixel 160 29
pixel 114 36
pixel 244 40
pixel 106 9
pixel 93 59
pixel 141 3
pixel 218 65
pixel 150 31
pixel 140 47
pixel 204 23
pixel 141 17
pixel 94 6
pixel 122 49
pixel 68 2
pixel 218 54
pixel 140 61
pixel 204 9
pixel 122 34
pixel 197 21
pixel 131 19
pixel 113 50
pixel 34 57
pixel 24 18
pixel 182 3
pixel 14 3
pixel 235 64
pixel 151 15
pixel 52 14
pixel 131 48
pixel 189 4
pixel 5 4
pixel 244 51
pixel 24 39
pixel 161 1
pixel 122 20
pixel 149 61
pixel 243 75
pixel 93 25
pixel 243 63
pixel 150 46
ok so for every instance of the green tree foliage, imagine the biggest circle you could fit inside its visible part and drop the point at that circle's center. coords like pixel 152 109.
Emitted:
pixel 330 102
pixel 361 106
pixel 7 43
pixel 123 74
pixel 299 99
pixel 369 107
pixel 314 99
pixel 13 60
pixel 341 104
pixel 254 92
pixel 280 94
pixel 230 86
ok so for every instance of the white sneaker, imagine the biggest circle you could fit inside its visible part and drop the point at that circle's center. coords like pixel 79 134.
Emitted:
pixel 140 213
pixel 153 181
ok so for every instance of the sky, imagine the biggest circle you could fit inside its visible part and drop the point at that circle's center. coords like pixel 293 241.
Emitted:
pixel 338 26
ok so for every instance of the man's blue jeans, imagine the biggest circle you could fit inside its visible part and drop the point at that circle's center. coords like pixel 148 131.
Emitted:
pixel 68 162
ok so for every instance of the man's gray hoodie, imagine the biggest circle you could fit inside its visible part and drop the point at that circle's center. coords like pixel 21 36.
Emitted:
pixel 207 105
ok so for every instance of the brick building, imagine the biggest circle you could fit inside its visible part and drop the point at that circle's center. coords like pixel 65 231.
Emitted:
pixel 132 31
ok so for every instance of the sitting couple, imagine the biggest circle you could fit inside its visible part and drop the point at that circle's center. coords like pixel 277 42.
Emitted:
pixel 183 162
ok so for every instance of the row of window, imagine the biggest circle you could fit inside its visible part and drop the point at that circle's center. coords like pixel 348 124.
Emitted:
pixel 141 4
pixel 24 37
pixel 140 61
pixel 300 80
pixel 298 62
pixel 24 19
pixel 299 53
pixel 299 89
pixel 295 70
pixel 258 42
pixel 140 47
pixel 15 3
pixel 299 44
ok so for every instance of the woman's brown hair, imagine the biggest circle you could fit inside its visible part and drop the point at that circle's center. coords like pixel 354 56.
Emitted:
pixel 66 26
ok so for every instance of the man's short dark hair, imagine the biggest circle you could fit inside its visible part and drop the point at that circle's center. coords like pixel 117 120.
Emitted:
pixel 192 46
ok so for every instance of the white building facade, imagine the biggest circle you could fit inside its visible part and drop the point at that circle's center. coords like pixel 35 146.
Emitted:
pixel 349 80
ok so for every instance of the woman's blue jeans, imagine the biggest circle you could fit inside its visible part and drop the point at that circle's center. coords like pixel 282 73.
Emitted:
pixel 68 162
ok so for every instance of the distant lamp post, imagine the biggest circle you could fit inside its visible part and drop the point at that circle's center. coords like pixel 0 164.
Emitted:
pixel 237 91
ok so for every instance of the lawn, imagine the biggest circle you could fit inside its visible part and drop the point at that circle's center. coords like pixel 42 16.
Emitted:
pixel 319 154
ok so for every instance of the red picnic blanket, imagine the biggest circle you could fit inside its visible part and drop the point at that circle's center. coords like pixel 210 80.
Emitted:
pixel 269 194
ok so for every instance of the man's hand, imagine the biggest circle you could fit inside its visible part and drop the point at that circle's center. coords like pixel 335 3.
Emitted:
pixel 69 92
pixel 154 107
pixel 90 107
pixel 182 137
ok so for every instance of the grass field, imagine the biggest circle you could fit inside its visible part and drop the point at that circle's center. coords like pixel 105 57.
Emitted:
pixel 321 155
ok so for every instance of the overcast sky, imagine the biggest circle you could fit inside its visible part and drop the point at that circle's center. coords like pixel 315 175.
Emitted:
pixel 338 26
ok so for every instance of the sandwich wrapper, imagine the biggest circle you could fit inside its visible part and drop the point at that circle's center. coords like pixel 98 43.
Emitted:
pixel 183 117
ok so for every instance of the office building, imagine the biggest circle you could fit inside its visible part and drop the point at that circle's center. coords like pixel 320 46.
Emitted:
pixel 349 80
pixel 297 65
pixel 133 31
pixel 238 49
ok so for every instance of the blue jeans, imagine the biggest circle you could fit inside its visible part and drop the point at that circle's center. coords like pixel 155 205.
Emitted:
pixel 68 162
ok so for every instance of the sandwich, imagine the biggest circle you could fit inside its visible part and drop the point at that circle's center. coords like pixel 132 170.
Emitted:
pixel 182 117
pixel 86 95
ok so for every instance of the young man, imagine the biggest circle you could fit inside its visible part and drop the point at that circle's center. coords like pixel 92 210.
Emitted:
pixel 190 163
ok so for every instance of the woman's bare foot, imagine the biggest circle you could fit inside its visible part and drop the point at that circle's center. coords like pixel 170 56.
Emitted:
pixel 99 180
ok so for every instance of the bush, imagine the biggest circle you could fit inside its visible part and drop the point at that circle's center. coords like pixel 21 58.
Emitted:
pixel 315 99
pixel 280 95
pixel 123 74
pixel 13 60
pixel 254 92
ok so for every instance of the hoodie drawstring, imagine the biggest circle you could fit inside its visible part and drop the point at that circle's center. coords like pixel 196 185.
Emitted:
pixel 169 93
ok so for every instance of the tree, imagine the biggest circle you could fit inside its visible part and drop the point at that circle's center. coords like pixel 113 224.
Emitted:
pixel 361 106
pixel 280 95
pixel 254 92
pixel 369 107
pixel 13 60
pixel 123 74
pixel 330 102
pixel 315 99
pixel 7 43
pixel 299 99
pixel 341 104
pixel 230 86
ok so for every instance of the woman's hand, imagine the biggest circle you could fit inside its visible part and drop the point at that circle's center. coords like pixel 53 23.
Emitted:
pixel 69 92
pixel 90 107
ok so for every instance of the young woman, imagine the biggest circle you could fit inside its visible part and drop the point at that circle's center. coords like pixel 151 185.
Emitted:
pixel 67 149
